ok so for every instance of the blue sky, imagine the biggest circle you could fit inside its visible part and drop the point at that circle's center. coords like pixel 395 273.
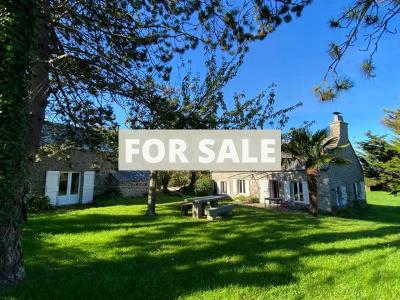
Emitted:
pixel 295 58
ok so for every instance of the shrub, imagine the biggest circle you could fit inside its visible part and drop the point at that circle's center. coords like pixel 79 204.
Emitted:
pixel 108 193
pixel 204 186
pixel 35 202
pixel 247 199
pixel 241 198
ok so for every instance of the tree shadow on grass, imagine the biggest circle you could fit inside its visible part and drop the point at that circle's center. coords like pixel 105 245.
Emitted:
pixel 374 212
pixel 170 257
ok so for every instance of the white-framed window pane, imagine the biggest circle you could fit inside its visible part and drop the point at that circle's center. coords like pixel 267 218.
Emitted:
pixel 223 186
pixel 301 195
pixel 74 183
pixel 241 186
pixel 63 185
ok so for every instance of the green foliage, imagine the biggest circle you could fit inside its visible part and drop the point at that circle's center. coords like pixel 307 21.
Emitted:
pixel 37 202
pixel 331 92
pixel 364 24
pixel 204 186
pixel 313 150
pixel 134 51
pixel 16 32
pixel 380 159
pixel 179 178
pixel 392 120
pixel 108 193
pixel 247 199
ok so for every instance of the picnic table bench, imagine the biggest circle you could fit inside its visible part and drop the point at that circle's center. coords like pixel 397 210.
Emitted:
pixel 199 204
pixel 214 212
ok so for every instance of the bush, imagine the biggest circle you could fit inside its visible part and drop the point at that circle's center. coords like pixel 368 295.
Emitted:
pixel 247 199
pixel 108 193
pixel 35 202
pixel 241 198
pixel 204 186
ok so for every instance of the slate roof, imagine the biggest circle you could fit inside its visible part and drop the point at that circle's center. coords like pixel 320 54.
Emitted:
pixel 124 176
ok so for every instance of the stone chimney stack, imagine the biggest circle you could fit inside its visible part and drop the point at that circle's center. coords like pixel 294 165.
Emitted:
pixel 339 129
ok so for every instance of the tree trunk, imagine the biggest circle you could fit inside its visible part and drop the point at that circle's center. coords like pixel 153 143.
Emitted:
pixel 312 187
pixel 16 45
pixel 39 88
pixel 193 178
pixel 165 181
pixel 152 195
pixel 11 263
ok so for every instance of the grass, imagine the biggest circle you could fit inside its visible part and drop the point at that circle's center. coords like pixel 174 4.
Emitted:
pixel 113 251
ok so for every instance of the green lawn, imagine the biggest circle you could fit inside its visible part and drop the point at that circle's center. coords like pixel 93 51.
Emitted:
pixel 113 251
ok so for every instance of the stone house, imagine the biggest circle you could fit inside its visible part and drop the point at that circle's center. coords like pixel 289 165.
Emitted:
pixel 338 185
pixel 75 179
pixel 78 175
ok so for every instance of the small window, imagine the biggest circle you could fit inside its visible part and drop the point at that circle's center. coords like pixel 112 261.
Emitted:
pixel 241 186
pixel 275 189
pixel 296 191
pixel 223 187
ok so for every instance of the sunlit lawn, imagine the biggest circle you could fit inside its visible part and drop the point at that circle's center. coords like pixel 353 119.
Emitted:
pixel 114 251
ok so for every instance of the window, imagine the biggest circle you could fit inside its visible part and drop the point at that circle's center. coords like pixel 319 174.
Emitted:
pixel 223 186
pixel 69 183
pixel 74 183
pixel 357 186
pixel 296 191
pixel 241 186
pixel 275 188
pixel 62 188
pixel 339 196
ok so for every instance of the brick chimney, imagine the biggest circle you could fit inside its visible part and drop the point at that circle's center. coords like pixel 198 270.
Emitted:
pixel 338 129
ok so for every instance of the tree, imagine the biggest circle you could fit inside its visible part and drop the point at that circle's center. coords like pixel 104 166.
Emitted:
pixel 380 157
pixel 201 105
pixel 16 42
pixel 392 121
pixel 164 179
pixel 365 22
pixel 313 151
pixel 380 160
pixel 89 54
pixel 93 53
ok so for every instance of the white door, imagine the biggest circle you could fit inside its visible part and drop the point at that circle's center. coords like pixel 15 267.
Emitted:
pixel 68 188
pixel 264 190
pixel 51 189
pixel 88 186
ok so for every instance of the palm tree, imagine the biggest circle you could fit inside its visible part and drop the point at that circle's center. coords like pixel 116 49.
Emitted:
pixel 313 151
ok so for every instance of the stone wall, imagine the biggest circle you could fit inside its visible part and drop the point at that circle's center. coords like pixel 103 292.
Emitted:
pixel 138 188
pixel 79 161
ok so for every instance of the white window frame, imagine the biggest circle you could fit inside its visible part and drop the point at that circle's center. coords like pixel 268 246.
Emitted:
pixel 299 195
pixel 223 186
pixel 69 183
pixel 241 186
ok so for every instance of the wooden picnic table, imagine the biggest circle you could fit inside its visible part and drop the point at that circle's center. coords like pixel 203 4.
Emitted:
pixel 199 204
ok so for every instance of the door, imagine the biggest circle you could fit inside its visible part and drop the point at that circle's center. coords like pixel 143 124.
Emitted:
pixel 88 186
pixel 264 190
pixel 68 188
pixel 51 188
